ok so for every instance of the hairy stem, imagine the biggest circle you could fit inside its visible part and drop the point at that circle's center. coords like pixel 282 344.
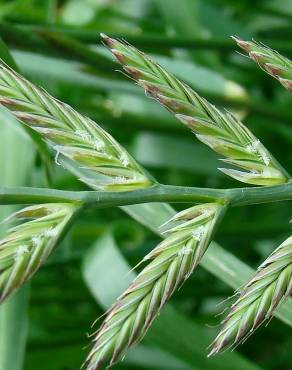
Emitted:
pixel 156 193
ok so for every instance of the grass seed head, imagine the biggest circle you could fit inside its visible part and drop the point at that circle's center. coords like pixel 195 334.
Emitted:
pixel 27 246
pixel 80 144
pixel 258 299
pixel 171 262
pixel 221 131
pixel 269 60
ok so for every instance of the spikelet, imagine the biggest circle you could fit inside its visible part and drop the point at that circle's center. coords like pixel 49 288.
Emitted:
pixel 258 299
pixel 172 261
pixel 81 145
pixel 275 64
pixel 223 132
pixel 27 246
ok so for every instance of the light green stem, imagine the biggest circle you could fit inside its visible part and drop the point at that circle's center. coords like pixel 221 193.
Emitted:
pixel 156 193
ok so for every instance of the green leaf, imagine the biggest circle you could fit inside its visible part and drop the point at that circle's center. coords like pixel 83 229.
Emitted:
pixel 151 215
pixel 14 147
pixel 55 357
pixel 201 78
pixel 184 20
pixel 185 154
pixel 78 12
pixel 15 164
pixel 49 68
pixel 13 330
pixel 6 56
pixel 206 80
pixel 41 146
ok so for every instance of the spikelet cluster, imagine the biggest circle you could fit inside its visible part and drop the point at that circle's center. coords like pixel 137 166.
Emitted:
pixel 258 299
pixel 81 145
pixel 172 261
pixel 27 246
pixel 269 60
pixel 223 132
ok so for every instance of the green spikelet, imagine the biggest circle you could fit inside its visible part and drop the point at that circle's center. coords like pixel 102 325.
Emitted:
pixel 258 299
pixel 223 132
pixel 27 246
pixel 275 64
pixel 172 261
pixel 81 145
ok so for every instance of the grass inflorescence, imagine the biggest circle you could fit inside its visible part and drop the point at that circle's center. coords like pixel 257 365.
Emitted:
pixel 258 299
pixel 81 145
pixel 221 131
pixel 88 151
pixel 272 62
pixel 27 246
pixel 172 261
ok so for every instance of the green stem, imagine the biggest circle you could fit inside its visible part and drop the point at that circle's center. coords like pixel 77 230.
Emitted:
pixel 152 40
pixel 155 40
pixel 156 193
pixel 56 44
pixel 277 12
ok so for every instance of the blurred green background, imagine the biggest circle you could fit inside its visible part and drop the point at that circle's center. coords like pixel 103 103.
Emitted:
pixel 56 44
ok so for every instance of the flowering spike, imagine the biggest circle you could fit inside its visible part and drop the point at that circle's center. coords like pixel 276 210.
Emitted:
pixel 81 145
pixel 258 299
pixel 172 261
pixel 269 60
pixel 27 246
pixel 221 131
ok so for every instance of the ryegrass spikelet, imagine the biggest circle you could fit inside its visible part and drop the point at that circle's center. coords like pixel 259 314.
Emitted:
pixel 269 60
pixel 223 132
pixel 258 299
pixel 172 261
pixel 81 145
pixel 27 246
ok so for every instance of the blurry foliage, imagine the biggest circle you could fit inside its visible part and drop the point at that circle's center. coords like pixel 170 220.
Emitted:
pixel 192 37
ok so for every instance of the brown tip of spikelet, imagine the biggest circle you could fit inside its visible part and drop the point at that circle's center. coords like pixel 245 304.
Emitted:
pixel 286 83
pixel 150 88
pixel 245 45
pixel 134 72
pixel 108 40
pixel 186 120
pixel 7 101
pixel 169 103
pixel 273 70
pixel 258 58
pixel 119 56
